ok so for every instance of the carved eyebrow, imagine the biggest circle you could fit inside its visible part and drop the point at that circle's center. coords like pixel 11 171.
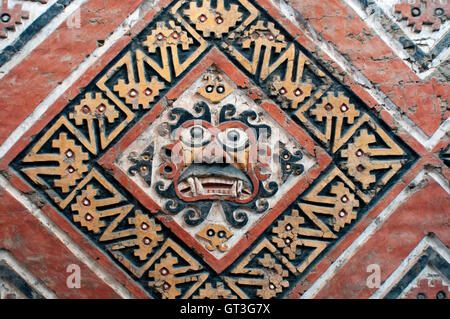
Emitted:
pixel 202 112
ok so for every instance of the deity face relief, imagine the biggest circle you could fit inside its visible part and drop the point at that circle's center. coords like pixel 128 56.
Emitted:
pixel 213 162
pixel 223 162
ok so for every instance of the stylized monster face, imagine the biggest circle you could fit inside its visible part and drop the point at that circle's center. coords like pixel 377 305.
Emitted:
pixel 225 162
pixel 215 162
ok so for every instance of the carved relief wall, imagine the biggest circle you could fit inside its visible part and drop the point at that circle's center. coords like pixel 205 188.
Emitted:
pixel 236 148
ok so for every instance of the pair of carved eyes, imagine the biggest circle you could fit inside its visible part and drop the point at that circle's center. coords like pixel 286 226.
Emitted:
pixel 415 12
pixel 220 89
pixel 231 138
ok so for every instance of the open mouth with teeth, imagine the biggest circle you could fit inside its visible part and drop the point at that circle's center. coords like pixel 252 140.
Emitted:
pixel 214 181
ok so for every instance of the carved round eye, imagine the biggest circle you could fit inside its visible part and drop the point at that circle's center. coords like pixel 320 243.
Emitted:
pixel 220 89
pixel 438 12
pixel 234 138
pixel 415 12
pixel 85 109
pixel 101 108
pixel 195 136
pixel 160 37
pixel 5 17
pixel 196 132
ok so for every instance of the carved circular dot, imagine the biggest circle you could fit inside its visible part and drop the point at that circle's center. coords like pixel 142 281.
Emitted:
pixel 209 88
pixel 70 169
pixel 145 157
pixel 146 241
pixel 344 199
pixel 144 168
pixel 288 167
pixel 271 37
pixel 210 233
pixel 144 226
pixel 88 217
pixel 132 93
pixel 421 296
pixel 288 227
pixel 5 17
pixel 441 295
pixel 69 154
pixel 342 213
pixel 282 91
pixel 220 89
pixel 272 286
pixel 344 108
pixel 255 35
pixel 360 168
pixel 221 234
pixel 415 12
pixel 148 92
pixel 164 271
pixel 175 35
pixel 168 169
pixel 359 153
pixel 202 18
pixel 86 202
pixel 85 109
pixel 288 241
pixel 166 286
pixel 219 20
pixel 298 92
pixel 286 156
pixel 160 37
pixel 328 107
pixel 438 12
pixel 101 108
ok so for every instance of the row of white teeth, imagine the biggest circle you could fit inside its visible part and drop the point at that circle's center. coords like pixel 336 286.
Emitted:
pixel 216 180
pixel 196 186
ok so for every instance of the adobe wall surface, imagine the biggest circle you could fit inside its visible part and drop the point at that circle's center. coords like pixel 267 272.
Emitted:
pixel 224 149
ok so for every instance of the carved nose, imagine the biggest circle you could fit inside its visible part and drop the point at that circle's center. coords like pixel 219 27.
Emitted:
pixel 213 153
pixel 214 160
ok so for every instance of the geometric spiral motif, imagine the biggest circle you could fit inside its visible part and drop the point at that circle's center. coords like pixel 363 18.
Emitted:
pixel 364 156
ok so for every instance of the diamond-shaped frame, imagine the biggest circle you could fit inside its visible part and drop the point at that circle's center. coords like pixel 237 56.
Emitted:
pixel 216 58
